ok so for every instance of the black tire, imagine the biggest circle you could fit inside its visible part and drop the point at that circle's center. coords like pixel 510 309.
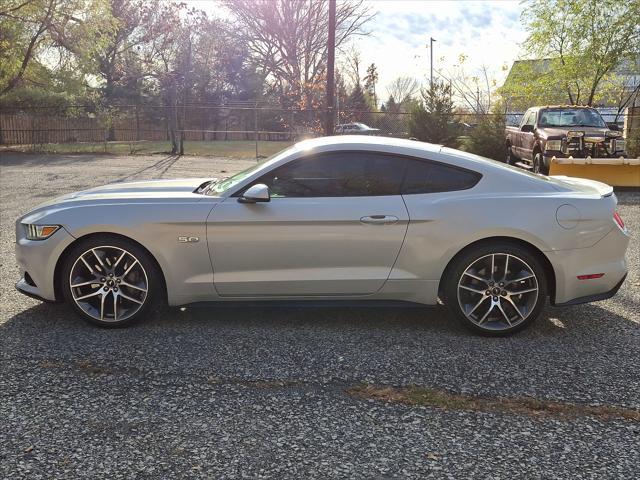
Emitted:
pixel 538 164
pixel 151 274
pixel 509 158
pixel 471 256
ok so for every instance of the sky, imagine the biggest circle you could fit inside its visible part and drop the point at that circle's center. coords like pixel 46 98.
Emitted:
pixel 487 32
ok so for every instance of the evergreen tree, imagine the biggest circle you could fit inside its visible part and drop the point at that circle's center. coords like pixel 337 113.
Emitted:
pixel 432 117
pixel 370 81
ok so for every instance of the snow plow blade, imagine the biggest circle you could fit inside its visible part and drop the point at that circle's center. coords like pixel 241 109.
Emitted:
pixel 618 172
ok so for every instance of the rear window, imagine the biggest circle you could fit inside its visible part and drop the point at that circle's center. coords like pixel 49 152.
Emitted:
pixel 432 177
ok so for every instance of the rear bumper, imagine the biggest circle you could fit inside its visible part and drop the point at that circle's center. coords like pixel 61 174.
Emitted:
pixel 606 257
pixel 593 298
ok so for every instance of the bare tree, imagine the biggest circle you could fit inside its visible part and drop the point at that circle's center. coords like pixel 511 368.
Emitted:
pixel 475 93
pixel 288 39
pixel 352 61
pixel 403 88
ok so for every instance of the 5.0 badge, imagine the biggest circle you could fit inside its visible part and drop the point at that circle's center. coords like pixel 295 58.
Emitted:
pixel 188 239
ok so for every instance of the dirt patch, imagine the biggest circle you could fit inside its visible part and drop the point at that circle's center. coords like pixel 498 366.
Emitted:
pixel 519 405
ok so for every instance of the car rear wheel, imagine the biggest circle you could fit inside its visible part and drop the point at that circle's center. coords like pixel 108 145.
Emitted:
pixel 110 281
pixel 496 289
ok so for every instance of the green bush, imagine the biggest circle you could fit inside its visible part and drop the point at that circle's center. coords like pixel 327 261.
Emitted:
pixel 633 143
pixel 487 139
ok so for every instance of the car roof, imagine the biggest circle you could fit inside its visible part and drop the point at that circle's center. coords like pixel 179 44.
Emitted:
pixel 498 176
pixel 353 142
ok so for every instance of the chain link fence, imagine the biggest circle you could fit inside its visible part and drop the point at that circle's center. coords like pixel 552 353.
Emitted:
pixel 241 131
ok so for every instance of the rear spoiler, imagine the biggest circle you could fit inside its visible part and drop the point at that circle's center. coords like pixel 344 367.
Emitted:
pixel 584 185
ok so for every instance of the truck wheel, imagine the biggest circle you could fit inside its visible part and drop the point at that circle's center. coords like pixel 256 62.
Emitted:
pixel 538 164
pixel 509 159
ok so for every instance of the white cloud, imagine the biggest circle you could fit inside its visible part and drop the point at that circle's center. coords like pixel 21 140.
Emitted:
pixel 487 32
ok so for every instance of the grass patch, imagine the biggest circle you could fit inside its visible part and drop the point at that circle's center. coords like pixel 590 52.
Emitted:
pixel 219 148
pixel 428 397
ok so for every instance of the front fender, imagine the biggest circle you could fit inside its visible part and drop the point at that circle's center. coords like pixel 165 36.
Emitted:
pixel 157 227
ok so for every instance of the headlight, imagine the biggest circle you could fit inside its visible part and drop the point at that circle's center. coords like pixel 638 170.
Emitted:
pixel 618 145
pixel 555 145
pixel 40 232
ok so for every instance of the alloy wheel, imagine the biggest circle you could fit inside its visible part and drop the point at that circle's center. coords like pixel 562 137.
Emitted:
pixel 498 291
pixel 108 283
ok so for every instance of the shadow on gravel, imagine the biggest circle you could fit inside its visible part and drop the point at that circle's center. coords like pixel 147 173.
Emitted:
pixel 9 159
pixel 583 324
pixel 580 353
pixel 165 163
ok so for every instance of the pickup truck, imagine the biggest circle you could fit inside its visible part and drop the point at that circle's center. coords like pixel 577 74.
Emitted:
pixel 561 132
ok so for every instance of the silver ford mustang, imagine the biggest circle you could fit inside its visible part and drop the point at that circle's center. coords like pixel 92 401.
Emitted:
pixel 337 219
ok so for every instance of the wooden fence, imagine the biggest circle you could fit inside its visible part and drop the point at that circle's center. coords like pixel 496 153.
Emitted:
pixel 21 129
pixel 198 124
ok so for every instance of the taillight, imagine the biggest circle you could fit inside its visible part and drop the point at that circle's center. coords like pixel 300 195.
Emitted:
pixel 618 219
pixel 591 276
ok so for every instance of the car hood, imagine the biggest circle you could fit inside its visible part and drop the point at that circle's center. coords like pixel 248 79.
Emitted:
pixel 147 191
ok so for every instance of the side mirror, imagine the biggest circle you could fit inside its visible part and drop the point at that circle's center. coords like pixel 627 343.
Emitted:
pixel 526 128
pixel 613 127
pixel 255 194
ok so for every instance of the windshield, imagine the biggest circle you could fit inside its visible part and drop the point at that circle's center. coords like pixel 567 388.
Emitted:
pixel 571 117
pixel 228 183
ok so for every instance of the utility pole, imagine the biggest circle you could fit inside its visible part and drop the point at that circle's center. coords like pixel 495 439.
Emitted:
pixel 331 58
pixel 431 52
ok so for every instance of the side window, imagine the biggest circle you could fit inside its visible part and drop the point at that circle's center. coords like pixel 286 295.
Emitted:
pixel 530 118
pixel 339 174
pixel 432 177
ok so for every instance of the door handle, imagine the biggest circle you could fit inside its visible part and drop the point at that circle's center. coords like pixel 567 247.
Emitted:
pixel 379 219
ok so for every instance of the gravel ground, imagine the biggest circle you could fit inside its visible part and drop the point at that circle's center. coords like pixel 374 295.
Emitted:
pixel 245 392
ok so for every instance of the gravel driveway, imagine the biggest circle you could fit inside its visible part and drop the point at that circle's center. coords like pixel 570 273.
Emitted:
pixel 233 392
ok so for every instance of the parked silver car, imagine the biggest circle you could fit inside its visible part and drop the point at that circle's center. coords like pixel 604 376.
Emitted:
pixel 338 219
pixel 355 128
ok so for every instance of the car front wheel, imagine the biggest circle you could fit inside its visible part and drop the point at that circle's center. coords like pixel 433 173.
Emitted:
pixel 110 281
pixel 496 289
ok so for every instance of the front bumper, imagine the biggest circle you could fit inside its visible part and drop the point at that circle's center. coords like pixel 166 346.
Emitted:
pixel 38 258
pixel 30 291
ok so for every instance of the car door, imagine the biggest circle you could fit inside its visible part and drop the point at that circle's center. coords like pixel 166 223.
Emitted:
pixel 527 139
pixel 334 226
